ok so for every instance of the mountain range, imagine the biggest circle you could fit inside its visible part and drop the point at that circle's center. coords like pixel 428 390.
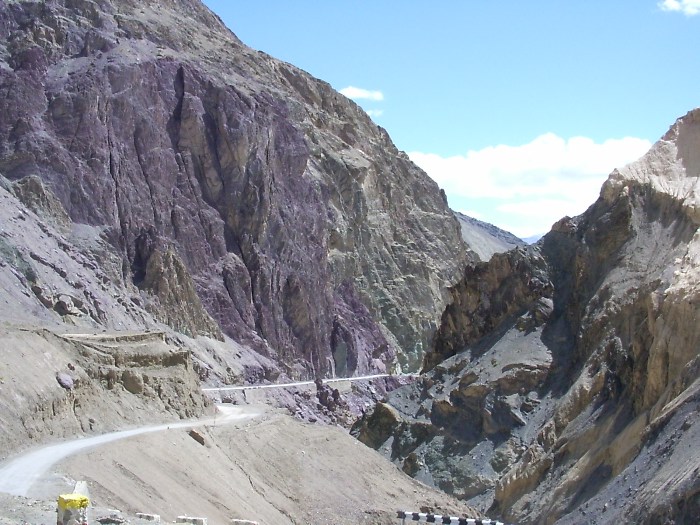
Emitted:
pixel 180 211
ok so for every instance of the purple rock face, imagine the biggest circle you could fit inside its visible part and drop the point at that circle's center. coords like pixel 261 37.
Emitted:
pixel 290 214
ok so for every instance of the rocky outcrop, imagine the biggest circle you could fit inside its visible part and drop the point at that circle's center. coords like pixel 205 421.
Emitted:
pixel 35 196
pixel 509 285
pixel 72 384
pixel 141 364
pixel 572 400
pixel 170 284
pixel 292 217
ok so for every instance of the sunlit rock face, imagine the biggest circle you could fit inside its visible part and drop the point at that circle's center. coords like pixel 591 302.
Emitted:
pixel 224 178
pixel 566 388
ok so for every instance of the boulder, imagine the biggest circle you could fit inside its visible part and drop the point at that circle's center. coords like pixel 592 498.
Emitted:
pixel 65 380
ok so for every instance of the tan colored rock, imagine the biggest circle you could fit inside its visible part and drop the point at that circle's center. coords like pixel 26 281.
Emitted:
pixel 132 381
pixel 178 304
pixel 375 430
pixel 41 200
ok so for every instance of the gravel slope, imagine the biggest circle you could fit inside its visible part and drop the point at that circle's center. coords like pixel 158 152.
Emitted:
pixel 272 469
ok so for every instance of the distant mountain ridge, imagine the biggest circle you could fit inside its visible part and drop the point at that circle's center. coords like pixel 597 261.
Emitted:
pixel 485 239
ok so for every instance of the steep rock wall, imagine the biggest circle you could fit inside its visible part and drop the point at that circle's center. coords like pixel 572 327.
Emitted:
pixel 288 208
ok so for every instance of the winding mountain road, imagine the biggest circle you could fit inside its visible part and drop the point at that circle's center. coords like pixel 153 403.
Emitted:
pixel 19 474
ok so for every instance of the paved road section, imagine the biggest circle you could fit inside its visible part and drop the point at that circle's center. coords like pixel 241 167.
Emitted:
pixel 19 474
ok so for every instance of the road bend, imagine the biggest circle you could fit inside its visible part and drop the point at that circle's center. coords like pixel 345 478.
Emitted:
pixel 19 474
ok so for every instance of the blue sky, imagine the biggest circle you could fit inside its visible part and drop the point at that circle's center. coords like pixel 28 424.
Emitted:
pixel 518 109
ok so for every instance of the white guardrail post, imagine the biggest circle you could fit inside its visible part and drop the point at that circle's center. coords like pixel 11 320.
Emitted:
pixel 437 518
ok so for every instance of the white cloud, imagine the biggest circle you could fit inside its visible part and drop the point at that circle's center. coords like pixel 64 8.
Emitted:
pixel 356 93
pixel 375 112
pixel 688 7
pixel 530 187
pixel 536 216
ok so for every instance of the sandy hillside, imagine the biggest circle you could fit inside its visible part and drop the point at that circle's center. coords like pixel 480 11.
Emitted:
pixel 271 469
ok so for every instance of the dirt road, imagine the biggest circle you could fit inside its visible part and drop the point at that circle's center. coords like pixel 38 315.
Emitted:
pixel 18 475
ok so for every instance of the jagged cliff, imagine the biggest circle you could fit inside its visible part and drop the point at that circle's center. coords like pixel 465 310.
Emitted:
pixel 227 181
pixel 565 379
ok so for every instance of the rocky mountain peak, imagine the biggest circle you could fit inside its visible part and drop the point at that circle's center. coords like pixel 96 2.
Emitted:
pixel 671 167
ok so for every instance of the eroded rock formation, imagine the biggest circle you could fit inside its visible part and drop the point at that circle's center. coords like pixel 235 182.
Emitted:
pixel 227 180
pixel 564 388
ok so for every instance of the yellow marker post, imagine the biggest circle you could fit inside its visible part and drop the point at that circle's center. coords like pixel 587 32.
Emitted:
pixel 72 509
